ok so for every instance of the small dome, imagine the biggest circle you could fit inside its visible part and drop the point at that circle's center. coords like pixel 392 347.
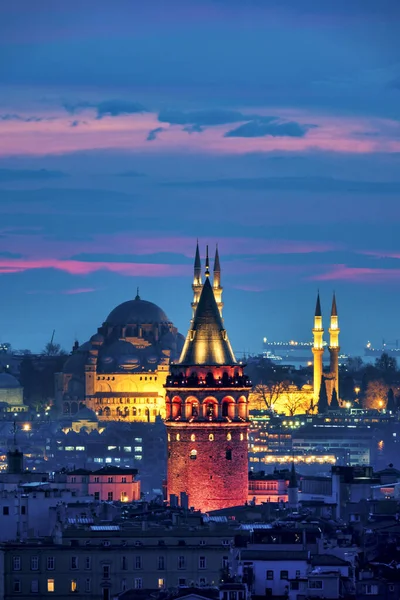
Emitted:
pixel 138 312
pixel 85 414
pixel 8 381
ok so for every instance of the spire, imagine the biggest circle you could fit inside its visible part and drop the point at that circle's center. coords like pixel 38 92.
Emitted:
pixel 207 342
pixel 293 477
pixel 207 273
pixel 197 266
pixel 217 266
pixel 137 297
pixel 318 312
pixel 334 307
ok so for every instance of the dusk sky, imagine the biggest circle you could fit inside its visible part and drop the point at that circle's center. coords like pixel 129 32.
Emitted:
pixel 128 129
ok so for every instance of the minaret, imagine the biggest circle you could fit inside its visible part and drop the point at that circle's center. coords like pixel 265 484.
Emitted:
pixel 197 283
pixel 334 347
pixel 217 282
pixel 318 348
pixel 207 414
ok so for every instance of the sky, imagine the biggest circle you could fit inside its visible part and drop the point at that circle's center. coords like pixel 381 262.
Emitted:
pixel 130 129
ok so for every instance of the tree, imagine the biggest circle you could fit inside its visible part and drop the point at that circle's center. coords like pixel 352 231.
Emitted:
pixel 391 403
pixel 295 403
pixel 387 367
pixel 323 405
pixel 354 364
pixel 376 395
pixel 269 393
pixel 52 349
pixel 334 401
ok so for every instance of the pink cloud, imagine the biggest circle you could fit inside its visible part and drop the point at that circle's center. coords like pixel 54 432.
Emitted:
pixel 342 272
pixel 335 134
pixel 75 267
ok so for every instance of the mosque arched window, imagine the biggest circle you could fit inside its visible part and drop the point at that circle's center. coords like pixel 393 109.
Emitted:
pixel 193 437
pixel 193 455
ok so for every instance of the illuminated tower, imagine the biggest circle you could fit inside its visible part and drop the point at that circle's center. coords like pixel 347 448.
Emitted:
pixel 217 282
pixel 318 348
pixel 197 283
pixel 207 414
pixel 334 347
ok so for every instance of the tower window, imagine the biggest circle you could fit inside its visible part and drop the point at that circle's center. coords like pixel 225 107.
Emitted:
pixel 178 437
pixel 193 454
pixel 229 437
pixel 241 437
pixel 211 437
pixel 228 455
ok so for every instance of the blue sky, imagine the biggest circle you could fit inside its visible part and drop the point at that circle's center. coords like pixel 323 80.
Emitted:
pixel 271 128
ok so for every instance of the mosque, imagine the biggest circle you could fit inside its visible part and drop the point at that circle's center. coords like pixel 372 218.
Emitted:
pixel 119 374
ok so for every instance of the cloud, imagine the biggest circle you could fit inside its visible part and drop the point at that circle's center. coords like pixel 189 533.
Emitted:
pixel 261 128
pixel 342 272
pixel 76 123
pixel 307 184
pixel 205 118
pixel 106 108
pixel 154 132
pixel 7 175
pixel 15 117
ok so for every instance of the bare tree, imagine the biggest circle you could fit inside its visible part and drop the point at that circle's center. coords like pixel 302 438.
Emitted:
pixel 296 402
pixel 270 392
pixel 376 394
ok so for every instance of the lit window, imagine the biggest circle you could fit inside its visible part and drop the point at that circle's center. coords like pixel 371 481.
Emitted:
pixel 138 457
pixel 211 437
pixel 161 582
pixel 80 448
pixel 74 585
pixel 111 447
pixel 50 585
pixel 229 437
pixel 69 448
pixel 193 454
pixel 178 437
pixel 138 448
pixel 241 437
pixel 127 448
pixel 193 437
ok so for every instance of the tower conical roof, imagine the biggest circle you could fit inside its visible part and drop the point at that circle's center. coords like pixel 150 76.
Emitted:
pixel 207 341
pixel 197 261
pixel 334 307
pixel 217 266
pixel 318 312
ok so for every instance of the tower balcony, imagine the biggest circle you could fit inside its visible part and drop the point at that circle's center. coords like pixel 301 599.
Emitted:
pixel 195 382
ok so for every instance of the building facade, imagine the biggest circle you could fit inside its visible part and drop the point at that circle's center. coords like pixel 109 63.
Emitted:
pixel 207 408
pixel 120 372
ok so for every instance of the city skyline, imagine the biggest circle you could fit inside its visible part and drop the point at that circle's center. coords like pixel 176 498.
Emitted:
pixel 271 130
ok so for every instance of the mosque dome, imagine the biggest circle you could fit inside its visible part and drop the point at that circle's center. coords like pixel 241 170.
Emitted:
pixel 8 381
pixel 136 311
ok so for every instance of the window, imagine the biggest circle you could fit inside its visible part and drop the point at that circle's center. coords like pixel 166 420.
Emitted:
pixel 16 563
pixel 88 562
pixel 161 563
pixel 88 585
pixel 202 542
pixel 369 589
pixel 228 455
pixel 181 581
pixel 74 585
pixel 34 563
pixel 315 584
pixel 50 564
pixel 17 585
pixel 6 510
pixel 123 585
pixel 97 479
pixel 106 571
pixel 211 437
pixel 50 585
pixel 138 562
pixel 110 480
pixel 225 562
pixel 73 479
pixel 138 448
pixel 35 586
pixel 294 585
pixel 297 574
pixel 110 496
pixel 23 510
pixel 123 480
pixel 106 593
pixel 97 495
pixel 284 575
pixel 138 583
pixel 202 562
pixel 161 582
pixel 124 563
pixel 202 581
pixel 181 562
pixel 74 562
pixel 193 455
pixel 270 575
